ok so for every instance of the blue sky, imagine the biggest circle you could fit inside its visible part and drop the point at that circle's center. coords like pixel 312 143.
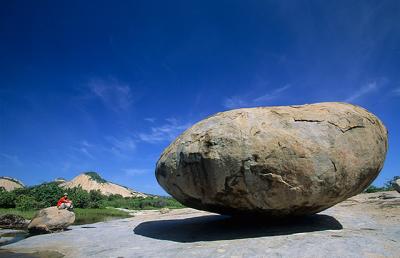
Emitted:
pixel 106 85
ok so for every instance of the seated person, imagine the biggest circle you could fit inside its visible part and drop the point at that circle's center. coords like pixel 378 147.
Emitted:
pixel 65 203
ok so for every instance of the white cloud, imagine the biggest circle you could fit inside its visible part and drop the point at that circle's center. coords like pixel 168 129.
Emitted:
pixel 396 91
pixel 85 148
pixel 364 90
pixel 11 158
pixel 85 151
pixel 123 143
pixel 272 95
pixel 112 93
pixel 238 102
pixel 120 146
pixel 150 119
pixel 86 144
pixel 136 171
pixel 165 132
pixel 235 102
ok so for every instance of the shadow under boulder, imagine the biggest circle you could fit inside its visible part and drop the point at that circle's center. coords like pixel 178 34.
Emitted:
pixel 220 227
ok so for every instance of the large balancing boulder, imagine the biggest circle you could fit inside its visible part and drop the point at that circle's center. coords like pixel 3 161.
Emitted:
pixel 51 220
pixel 275 161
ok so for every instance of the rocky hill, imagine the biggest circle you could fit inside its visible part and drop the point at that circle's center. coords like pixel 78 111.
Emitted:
pixel 9 183
pixel 60 180
pixel 93 181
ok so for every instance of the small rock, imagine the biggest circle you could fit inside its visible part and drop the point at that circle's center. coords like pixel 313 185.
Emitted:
pixel 396 185
pixel 13 221
pixel 386 196
pixel 164 210
pixel 51 220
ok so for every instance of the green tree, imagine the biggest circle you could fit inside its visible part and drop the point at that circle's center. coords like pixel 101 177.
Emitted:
pixel 7 199
pixel 95 197
pixel 26 202
pixel 79 197
pixel 389 184
pixel 47 193
pixel 373 189
pixel 96 177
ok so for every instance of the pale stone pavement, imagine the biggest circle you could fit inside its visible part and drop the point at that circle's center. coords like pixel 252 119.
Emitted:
pixel 363 226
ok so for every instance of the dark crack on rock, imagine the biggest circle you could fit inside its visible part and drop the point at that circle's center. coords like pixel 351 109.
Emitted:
pixel 334 165
pixel 307 120
pixel 353 127
pixel 343 130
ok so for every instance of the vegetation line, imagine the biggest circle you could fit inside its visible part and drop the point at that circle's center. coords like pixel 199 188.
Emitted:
pixel 47 194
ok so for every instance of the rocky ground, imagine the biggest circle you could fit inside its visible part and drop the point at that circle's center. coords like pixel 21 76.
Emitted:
pixel 367 225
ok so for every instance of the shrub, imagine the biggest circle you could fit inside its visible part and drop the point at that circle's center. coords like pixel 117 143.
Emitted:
pixel 26 202
pixel 47 193
pixel 95 196
pixel 388 186
pixel 373 189
pixel 7 199
pixel 96 177
pixel 114 197
pixel 79 197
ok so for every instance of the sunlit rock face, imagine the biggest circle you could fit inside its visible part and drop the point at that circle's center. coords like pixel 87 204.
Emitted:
pixel 275 161
pixel 50 220
pixel 10 184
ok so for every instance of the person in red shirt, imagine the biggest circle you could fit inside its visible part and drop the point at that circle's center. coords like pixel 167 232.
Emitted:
pixel 65 203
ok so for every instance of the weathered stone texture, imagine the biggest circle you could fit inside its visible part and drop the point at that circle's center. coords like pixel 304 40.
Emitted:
pixel 50 220
pixel 288 160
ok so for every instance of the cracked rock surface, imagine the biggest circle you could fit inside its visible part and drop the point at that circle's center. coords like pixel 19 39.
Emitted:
pixel 275 161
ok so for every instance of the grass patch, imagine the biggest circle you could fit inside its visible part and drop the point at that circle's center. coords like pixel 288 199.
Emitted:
pixel 26 214
pixel 82 216
pixel 87 216
pixel 150 203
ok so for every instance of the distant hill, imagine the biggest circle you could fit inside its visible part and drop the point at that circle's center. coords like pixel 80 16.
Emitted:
pixel 60 180
pixel 9 183
pixel 93 181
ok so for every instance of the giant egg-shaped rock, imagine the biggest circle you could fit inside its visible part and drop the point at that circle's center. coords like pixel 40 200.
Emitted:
pixel 275 161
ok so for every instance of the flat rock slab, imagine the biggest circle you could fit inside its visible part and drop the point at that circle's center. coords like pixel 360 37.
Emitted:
pixel 362 226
